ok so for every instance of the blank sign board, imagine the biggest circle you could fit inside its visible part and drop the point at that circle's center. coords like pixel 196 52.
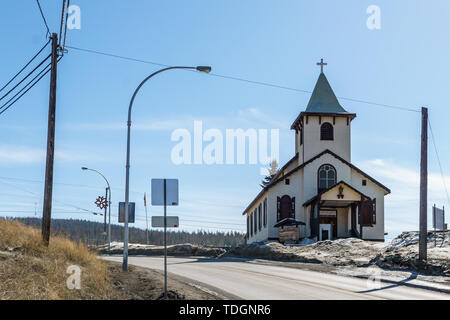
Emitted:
pixel 131 211
pixel 171 186
pixel 438 218
pixel 158 222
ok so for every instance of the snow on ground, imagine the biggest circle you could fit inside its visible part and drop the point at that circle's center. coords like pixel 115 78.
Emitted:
pixel 400 254
pixel 186 249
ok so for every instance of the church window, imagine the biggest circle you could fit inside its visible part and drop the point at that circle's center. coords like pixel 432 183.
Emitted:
pixel 287 181
pixel 326 131
pixel 259 217
pixel 326 177
pixel 255 222
pixel 301 136
pixel 364 182
pixel 248 227
pixel 265 212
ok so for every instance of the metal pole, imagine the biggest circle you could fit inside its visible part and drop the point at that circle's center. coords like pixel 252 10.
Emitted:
pixel 434 223
pixel 108 192
pixel 109 222
pixel 48 188
pixel 146 217
pixel 104 218
pixel 423 187
pixel 165 242
pixel 127 173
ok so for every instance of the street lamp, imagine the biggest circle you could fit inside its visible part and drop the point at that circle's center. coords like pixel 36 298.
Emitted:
pixel 205 69
pixel 108 188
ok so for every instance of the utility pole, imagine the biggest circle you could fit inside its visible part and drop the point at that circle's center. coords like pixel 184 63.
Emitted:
pixel 48 189
pixel 423 187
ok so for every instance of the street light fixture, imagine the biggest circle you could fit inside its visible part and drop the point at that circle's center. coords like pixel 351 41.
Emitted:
pixel 205 69
pixel 108 188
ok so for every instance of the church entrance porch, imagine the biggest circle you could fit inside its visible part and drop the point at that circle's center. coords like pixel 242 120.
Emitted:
pixel 340 211
pixel 328 225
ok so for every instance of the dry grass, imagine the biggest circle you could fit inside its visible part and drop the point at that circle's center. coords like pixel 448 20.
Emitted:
pixel 30 270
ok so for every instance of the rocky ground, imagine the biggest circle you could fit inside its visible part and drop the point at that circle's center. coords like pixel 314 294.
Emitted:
pixel 400 254
pixel 172 250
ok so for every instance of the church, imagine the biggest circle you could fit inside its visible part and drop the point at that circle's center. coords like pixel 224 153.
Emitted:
pixel 319 194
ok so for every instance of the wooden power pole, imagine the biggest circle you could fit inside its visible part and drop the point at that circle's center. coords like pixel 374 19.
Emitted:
pixel 423 232
pixel 48 189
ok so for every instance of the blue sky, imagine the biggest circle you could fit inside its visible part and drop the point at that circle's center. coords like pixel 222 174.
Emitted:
pixel 279 42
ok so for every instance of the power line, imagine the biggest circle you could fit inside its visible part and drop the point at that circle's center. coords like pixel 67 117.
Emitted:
pixel 28 63
pixel 39 195
pixel 18 98
pixel 439 161
pixel 12 98
pixel 26 77
pixel 261 83
pixel 65 27
pixel 63 11
pixel 43 17
pixel 117 56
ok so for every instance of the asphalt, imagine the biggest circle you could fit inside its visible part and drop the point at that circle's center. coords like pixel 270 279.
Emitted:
pixel 265 282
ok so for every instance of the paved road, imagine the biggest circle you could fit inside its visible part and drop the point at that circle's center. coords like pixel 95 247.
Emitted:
pixel 255 281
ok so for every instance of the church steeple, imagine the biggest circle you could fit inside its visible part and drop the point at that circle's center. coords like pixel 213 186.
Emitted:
pixel 325 124
pixel 323 99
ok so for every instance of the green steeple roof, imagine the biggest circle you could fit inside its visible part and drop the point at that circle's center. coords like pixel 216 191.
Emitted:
pixel 323 99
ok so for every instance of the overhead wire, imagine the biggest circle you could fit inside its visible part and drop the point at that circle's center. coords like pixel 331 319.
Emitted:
pixel 242 79
pixel 439 162
pixel 43 18
pixel 26 65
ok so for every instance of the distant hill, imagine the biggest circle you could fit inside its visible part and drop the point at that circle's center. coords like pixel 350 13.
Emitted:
pixel 91 233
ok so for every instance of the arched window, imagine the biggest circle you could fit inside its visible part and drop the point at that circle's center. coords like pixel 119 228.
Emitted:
pixel 326 177
pixel 285 207
pixel 326 131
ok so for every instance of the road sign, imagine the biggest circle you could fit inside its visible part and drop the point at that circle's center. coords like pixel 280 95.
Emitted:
pixel 438 218
pixel 158 222
pixel 131 211
pixel 158 192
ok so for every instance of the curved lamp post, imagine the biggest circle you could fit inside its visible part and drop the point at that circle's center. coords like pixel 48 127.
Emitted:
pixel 204 69
pixel 109 205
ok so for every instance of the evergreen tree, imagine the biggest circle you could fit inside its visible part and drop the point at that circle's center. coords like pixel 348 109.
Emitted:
pixel 272 170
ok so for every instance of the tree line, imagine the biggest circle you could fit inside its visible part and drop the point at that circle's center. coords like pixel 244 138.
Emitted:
pixel 91 232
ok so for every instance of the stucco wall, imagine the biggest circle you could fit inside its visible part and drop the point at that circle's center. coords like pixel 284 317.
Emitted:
pixel 371 190
pixel 313 145
pixel 294 189
pixel 263 234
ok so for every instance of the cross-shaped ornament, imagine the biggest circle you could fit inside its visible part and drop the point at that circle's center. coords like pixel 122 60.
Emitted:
pixel 321 64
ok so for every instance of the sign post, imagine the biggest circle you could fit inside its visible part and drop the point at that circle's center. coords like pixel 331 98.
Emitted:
pixel 165 192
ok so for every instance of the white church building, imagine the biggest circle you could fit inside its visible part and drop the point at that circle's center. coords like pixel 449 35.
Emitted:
pixel 319 193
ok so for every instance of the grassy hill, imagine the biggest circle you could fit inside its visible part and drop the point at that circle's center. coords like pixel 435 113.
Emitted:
pixel 30 270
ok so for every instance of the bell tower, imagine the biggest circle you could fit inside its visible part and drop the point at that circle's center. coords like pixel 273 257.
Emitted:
pixel 325 124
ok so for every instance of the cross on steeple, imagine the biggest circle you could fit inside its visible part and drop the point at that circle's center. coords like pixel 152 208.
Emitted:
pixel 321 64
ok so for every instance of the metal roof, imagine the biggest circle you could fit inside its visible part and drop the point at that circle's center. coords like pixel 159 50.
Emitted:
pixel 323 99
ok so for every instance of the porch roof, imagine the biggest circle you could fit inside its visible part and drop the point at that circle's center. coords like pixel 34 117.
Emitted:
pixel 335 202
